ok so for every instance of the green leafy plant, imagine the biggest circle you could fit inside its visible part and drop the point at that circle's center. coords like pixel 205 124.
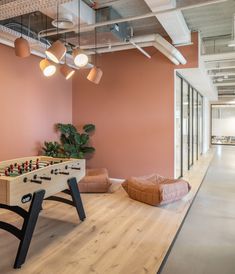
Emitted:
pixel 74 144
pixel 53 149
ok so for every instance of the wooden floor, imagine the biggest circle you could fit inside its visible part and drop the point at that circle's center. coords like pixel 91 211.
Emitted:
pixel 119 235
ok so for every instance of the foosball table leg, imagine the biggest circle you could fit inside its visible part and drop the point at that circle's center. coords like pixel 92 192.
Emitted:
pixel 28 227
pixel 76 197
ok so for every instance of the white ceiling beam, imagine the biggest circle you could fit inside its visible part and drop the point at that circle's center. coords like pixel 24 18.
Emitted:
pixel 218 74
pixel 225 84
pixel 218 57
pixel 220 68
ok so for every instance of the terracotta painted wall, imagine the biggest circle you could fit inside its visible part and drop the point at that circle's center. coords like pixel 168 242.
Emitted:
pixel 133 110
pixel 30 105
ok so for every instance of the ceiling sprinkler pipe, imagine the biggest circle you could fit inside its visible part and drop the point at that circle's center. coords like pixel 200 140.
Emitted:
pixel 140 49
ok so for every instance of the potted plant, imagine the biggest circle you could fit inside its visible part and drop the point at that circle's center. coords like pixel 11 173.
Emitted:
pixel 74 144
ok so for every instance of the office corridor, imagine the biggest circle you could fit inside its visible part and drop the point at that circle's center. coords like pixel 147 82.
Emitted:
pixel 206 242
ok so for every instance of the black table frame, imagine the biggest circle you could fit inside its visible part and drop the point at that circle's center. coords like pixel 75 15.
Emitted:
pixel 31 216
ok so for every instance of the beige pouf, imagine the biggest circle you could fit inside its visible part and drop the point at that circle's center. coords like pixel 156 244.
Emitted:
pixel 95 181
pixel 155 190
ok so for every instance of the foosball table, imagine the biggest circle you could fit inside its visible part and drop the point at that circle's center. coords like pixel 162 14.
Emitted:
pixel 26 182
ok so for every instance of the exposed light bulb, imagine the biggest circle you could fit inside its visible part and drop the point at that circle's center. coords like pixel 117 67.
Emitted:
pixel 47 68
pixel 80 58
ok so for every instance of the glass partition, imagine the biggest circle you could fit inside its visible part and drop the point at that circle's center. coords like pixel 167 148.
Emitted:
pixel 200 125
pixel 185 125
pixel 188 126
pixel 195 126
pixel 178 127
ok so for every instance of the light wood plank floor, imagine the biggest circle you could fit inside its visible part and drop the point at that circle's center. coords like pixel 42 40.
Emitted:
pixel 119 235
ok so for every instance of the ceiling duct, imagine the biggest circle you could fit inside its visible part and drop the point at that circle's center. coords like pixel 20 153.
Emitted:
pixel 106 35
pixel 169 51
pixel 173 21
pixel 68 14
pixel 120 32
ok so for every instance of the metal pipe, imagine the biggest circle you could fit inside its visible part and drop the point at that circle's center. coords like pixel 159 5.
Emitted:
pixel 140 49
pixel 122 20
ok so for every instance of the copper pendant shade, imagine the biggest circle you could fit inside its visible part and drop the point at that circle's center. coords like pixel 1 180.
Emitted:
pixel 47 67
pixel 56 51
pixel 22 48
pixel 67 71
pixel 95 75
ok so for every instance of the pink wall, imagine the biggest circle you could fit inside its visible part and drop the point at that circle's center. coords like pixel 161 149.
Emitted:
pixel 133 110
pixel 30 105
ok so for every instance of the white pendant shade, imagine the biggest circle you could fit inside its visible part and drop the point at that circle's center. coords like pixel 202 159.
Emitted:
pixel 80 58
pixel 22 48
pixel 67 71
pixel 56 51
pixel 47 68
pixel 95 75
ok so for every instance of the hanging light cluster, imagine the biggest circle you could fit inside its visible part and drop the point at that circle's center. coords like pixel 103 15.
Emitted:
pixel 57 51
pixel 54 54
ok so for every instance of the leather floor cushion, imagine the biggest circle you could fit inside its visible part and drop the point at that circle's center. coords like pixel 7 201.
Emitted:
pixel 155 190
pixel 95 181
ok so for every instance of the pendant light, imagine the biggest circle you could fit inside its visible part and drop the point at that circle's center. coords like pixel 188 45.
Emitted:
pixel 79 56
pixel 22 48
pixel 65 70
pixel 95 73
pixel 47 67
pixel 57 50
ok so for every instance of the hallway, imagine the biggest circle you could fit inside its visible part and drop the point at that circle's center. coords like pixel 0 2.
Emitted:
pixel 205 244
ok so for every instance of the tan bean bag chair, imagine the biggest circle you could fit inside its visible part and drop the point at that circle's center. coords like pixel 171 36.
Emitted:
pixel 155 190
pixel 95 181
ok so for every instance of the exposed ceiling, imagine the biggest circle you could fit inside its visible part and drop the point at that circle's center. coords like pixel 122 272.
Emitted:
pixel 214 22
